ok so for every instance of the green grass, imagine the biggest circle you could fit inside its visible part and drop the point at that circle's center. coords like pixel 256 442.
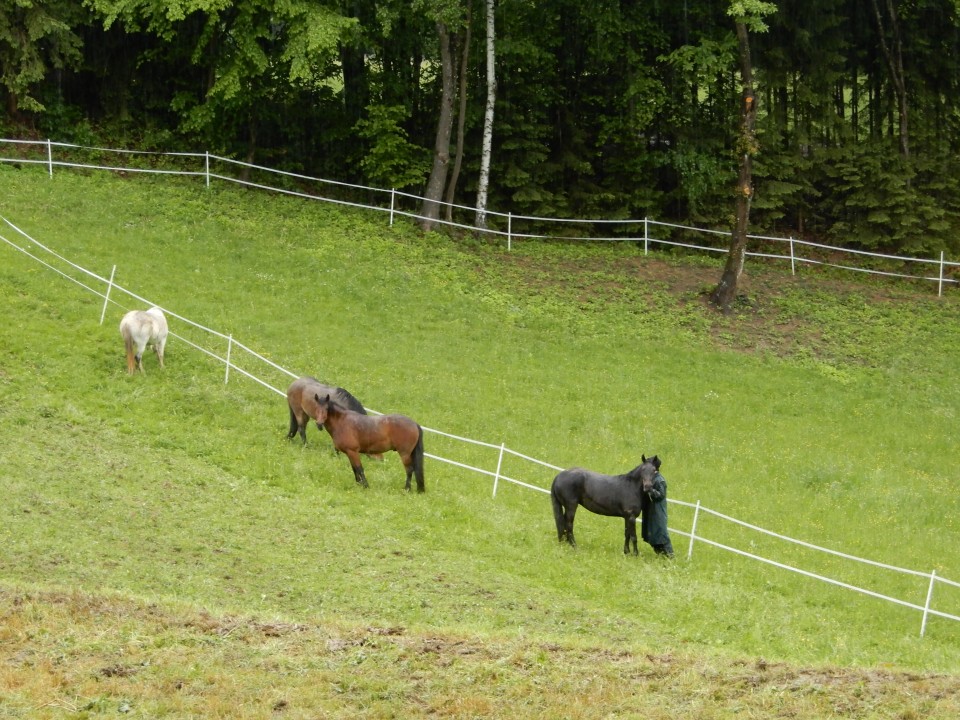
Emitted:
pixel 134 505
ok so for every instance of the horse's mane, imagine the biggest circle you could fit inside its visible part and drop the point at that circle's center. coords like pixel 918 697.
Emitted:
pixel 341 397
pixel 634 474
pixel 350 401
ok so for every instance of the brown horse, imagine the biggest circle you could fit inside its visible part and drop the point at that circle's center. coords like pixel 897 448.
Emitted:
pixel 354 433
pixel 300 399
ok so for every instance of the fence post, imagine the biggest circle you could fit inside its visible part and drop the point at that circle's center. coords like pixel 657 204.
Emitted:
pixel 229 348
pixel 496 478
pixel 509 231
pixel 693 530
pixel 206 166
pixel 926 607
pixel 106 298
pixel 49 157
pixel 793 266
pixel 393 195
pixel 646 236
pixel 940 284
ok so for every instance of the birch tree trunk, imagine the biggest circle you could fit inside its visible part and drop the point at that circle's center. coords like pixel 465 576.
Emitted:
pixel 484 180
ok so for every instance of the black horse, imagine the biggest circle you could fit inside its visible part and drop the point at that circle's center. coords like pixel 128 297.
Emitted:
pixel 612 495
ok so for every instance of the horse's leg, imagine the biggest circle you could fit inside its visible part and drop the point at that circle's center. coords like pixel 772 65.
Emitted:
pixel 630 535
pixel 141 346
pixel 408 467
pixel 357 466
pixel 568 516
pixel 302 423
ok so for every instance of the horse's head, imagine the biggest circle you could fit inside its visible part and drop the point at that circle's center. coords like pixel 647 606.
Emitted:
pixel 648 471
pixel 323 407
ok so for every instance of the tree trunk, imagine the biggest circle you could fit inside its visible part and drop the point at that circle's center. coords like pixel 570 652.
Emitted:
pixel 461 121
pixel 484 180
pixel 726 292
pixel 894 58
pixel 430 211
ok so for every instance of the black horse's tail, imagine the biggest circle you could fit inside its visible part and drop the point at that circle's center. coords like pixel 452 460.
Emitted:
pixel 418 460
pixel 294 424
pixel 349 401
pixel 558 512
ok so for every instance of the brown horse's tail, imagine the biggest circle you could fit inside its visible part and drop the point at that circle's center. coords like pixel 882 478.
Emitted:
pixel 418 460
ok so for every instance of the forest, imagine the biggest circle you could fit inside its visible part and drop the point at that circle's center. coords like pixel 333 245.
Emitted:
pixel 558 108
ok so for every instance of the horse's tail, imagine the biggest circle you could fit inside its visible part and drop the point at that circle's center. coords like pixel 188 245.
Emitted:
pixel 558 511
pixel 294 423
pixel 125 330
pixel 418 460
pixel 349 401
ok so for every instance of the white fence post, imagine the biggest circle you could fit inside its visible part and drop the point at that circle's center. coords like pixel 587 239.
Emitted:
pixel 646 236
pixel 509 231
pixel 106 297
pixel 206 166
pixel 496 478
pixel 693 530
pixel 393 196
pixel 940 284
pixel 926 607
pixel 49 157
pixel 229 348
pixel 793 265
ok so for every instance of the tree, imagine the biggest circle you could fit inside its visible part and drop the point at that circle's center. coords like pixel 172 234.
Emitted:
pixel 464 42
pixel 430 211
pixel 483 182
pixel 893 54
pixel 35 36
pixel 745 13
pixel 255 57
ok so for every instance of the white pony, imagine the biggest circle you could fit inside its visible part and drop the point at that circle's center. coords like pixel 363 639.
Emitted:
pixel 140 327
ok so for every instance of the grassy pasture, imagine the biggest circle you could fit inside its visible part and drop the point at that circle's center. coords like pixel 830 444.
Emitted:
pixel 162 528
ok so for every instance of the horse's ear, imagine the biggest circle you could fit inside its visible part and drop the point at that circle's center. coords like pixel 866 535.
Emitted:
pixel 643 458
pixel 656 461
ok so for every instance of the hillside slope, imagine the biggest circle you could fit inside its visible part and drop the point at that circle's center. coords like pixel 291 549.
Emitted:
pixel 176 496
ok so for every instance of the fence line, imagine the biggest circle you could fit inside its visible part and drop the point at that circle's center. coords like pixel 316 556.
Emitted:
pixel 111 285
pixel 941 263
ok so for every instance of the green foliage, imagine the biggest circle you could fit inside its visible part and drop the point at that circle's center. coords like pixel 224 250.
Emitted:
pixel 604 109
pixel 390 160
pixel 36 39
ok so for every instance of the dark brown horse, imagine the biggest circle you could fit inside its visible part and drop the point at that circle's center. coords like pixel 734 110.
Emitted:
pixel 354 433
pixel 300 398
pixel 612 495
